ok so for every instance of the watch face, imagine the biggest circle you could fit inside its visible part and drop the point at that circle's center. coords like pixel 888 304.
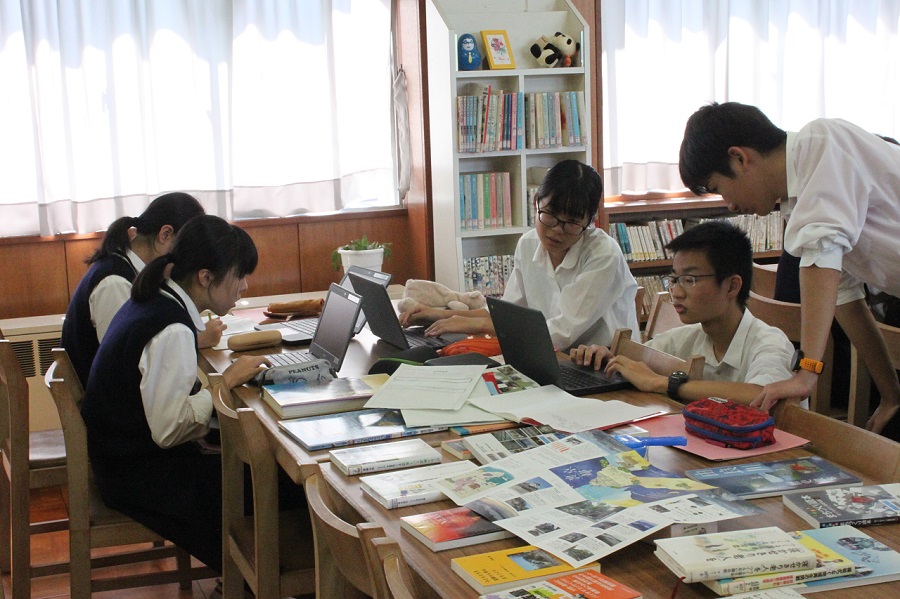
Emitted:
pixel 795 360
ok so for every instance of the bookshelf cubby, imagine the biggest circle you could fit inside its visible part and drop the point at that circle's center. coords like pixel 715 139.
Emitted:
pixel 456 244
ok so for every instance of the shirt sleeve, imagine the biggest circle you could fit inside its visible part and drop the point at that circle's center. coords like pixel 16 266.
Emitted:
pixel 168 368
pixel 769 360
pixel 106 299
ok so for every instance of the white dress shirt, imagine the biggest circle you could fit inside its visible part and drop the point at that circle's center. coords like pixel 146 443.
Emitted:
pixel 843 208
pixel 168 368
pixel 758 353
pixel 109 295
pixel 586 298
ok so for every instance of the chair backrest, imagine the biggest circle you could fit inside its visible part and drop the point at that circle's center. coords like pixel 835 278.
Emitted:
pixel 65 370
pixel 659 362
pixel 340 544
pixel 662 315
pixel 13 405
pixel 392 575
pixel 764 276
pixel 861 380
pixel 639 303
pixel 786 316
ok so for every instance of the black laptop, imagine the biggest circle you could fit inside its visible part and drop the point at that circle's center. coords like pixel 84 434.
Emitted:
pixel 383 322
pixel 302 330
pixel 526 344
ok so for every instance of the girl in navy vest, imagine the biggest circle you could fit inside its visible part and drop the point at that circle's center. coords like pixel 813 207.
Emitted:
pixel 143 406
pixel 129 243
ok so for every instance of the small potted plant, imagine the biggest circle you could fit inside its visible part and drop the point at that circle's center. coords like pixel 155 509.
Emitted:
pixel 361 252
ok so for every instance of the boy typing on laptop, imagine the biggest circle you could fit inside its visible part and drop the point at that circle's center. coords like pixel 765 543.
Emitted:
pixel 710 283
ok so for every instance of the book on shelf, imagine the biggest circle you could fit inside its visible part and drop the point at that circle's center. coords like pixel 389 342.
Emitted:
pixel 768 479
pixel 456 448
pixel 829 564
pixel 875 562
pixel 487 274
pixel 452 528
pixel 349 428
pixel 414 486
pixel 384 456
pixel 507 568
pixel 584 584
pixel 496 445
pixel 484 201
pixel 734 553
pixel 853 505
pixel 294 400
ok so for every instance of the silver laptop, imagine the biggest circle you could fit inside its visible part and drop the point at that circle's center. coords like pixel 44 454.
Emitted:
pixel 302 330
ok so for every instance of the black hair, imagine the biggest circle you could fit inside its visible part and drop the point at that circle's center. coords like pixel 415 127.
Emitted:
pixel 172 209
pixel 205 242
pixel 712 130
pixel 727 248
pixel 573 187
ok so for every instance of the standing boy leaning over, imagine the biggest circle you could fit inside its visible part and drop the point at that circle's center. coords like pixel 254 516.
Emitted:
pixel 710 283
pixel 839 187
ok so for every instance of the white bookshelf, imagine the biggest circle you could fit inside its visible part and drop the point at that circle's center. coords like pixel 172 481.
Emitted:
pixel 524 21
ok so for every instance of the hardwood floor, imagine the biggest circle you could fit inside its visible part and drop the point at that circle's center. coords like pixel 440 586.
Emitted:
pixel 52 547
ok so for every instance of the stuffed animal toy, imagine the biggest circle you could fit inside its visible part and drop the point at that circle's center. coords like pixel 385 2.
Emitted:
pixel 435 295
pixel 560 50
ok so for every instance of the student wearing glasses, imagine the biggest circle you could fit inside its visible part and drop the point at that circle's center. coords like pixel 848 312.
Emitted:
pixel 572 272
pixel 710 283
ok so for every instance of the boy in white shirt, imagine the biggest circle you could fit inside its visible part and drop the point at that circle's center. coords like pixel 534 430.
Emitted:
pixel 839 188
pixel 710 283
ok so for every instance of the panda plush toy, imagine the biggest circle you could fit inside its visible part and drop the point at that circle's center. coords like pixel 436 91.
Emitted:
pixel 559 50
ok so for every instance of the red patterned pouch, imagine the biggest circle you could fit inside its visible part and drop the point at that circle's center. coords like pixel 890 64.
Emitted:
pixel 729 424
pixel 486 345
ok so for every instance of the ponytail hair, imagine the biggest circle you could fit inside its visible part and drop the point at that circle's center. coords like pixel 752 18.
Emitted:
pixel 173 209
pixel 206 242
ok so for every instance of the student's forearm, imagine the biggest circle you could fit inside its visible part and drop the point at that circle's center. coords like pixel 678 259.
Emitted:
pixel 857 321
pixel 737 392
pixel 818 296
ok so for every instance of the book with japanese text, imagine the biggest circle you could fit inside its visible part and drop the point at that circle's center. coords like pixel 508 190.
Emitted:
pixel 507 568
pixel 384 456
pixel 875 562
pixel 767 479
pixel 734 553
pixel 456 448
pixel 489 447
pixel 451 528
pixel 585 584
pixel 295 400
pixel 856 506
pixel 412 486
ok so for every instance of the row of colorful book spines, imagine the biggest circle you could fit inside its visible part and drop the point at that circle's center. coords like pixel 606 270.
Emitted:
pixel 533 120
pixel 765 232
pixel 485 201
pixel 487 274
pixel 652 285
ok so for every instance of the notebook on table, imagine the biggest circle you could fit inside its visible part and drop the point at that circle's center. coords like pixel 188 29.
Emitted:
pixel 526 344
pixel 302 330
pixel 332 337
pixel 383 320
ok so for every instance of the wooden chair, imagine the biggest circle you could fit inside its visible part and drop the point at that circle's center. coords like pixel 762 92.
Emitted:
pixel 273 551
pixel 31 460
pixel 343 565
pixel 662 316
pixel 786 316
pixel 764 276
pixel 659 362
pixel 639 304
pixel 856 448
pixel 861 380
pixel 91 523
pixel 392 575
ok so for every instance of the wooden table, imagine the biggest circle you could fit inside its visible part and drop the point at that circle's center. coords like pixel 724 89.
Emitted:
pixel 634 565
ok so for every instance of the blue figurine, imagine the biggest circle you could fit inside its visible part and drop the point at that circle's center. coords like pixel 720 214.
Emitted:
pixel 469 58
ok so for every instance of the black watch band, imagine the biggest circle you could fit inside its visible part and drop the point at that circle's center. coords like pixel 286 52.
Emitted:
pixel 676 380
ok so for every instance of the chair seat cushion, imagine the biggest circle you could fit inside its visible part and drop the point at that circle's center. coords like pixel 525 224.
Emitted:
pixel 47 449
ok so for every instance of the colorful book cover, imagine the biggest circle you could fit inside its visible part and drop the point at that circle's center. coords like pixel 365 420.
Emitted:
pixel 856 506
pixel 501 570
pixel 586 584
pixel 384 456
pixel 294 400
pixel 875 562
pixel 456 448
pixel 412 486
pixel 474 429
pixel 768 479
pixel 349 428
pixel 734 553
pixel 507 201
pixel 490 447
pixel 829 564
pixel 451 528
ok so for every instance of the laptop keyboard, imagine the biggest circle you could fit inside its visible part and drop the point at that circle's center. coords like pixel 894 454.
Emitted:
pixel 289 358
pixel 574 378
pixel 304 325
pixel 423 341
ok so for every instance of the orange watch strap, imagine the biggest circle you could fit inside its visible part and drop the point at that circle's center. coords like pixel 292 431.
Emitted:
pixel 812 365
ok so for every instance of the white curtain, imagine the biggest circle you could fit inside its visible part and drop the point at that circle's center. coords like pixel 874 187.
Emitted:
pixel 257 107
pixel 796 60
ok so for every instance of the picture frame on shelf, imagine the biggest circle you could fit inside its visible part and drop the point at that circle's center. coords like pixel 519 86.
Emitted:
pixel 497 49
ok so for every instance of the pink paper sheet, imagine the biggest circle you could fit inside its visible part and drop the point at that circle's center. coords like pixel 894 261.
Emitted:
pixel 673 425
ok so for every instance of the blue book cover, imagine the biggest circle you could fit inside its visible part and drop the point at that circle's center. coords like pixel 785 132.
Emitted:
pixel 575 118
pixel 768 479
pixel 875 562
pixel 349 428
pixel 520 121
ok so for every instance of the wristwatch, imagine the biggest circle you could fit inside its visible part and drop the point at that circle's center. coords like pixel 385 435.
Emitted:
pixel 798 362
pixel 676 380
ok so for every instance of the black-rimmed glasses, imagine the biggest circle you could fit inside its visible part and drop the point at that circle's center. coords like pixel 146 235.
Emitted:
pixel 569 227
pixel 684 281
